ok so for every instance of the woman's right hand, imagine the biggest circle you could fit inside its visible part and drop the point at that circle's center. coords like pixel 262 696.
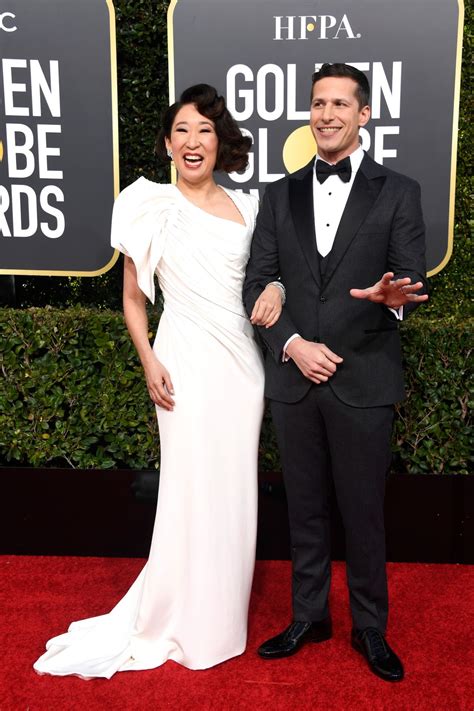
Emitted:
pixel 267 308
pixel 159 384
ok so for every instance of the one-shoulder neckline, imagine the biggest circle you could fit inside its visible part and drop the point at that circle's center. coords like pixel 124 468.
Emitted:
pixel 245 224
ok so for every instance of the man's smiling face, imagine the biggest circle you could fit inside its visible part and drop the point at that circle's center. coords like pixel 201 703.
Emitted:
pixel 336 117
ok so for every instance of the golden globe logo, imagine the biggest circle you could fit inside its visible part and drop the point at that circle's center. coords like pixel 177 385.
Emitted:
pixel 302 27
pixel 7 22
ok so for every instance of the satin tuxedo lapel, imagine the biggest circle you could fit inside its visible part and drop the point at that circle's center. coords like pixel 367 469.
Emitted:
pixel 302 212
pixel 365 190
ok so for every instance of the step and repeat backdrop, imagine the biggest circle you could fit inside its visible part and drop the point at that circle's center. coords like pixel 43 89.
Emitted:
pixel 58 106
pixel 58 136
pixel 261 56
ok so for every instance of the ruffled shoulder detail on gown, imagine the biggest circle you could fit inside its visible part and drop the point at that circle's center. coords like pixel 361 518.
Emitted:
pixel 139 220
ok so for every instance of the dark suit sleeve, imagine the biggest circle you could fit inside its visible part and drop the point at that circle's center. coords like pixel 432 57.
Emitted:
pixel 262 268
pixel 406 254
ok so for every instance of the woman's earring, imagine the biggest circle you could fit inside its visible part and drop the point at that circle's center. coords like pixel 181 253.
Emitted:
pixel 169 153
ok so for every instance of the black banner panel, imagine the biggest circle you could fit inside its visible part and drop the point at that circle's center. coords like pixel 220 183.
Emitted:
pixel 261 55
pixel 58 136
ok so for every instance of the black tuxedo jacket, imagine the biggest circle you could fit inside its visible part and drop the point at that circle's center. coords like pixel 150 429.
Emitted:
pixel 381 230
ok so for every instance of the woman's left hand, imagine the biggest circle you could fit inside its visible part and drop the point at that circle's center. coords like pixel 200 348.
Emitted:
pixel 267 308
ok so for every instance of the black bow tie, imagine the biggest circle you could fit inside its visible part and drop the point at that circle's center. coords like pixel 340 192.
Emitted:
pixel 342 169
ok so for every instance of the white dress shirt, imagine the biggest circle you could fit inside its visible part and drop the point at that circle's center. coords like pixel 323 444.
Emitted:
pixel 329 199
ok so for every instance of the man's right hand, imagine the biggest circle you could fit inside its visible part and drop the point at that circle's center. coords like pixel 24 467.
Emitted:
pixel 316 361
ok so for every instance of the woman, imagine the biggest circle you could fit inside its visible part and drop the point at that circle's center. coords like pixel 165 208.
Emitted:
pixel 205 376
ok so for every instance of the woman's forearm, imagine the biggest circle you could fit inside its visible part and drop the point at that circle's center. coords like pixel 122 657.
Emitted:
pixel 158 379
pixel 134 309
pixel 137 323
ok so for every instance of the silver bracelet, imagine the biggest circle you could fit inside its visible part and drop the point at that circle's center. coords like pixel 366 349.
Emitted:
pixel 282 289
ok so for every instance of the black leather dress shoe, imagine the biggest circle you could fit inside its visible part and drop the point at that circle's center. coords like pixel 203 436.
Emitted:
pixel 382 660
pixel 294 637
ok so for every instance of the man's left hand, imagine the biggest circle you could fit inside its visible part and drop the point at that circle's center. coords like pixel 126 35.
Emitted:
pixel 391 292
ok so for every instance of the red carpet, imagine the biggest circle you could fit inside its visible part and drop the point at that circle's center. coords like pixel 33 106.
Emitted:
pixel 431 616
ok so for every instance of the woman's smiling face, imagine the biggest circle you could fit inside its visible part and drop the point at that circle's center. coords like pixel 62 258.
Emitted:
pixel 194 144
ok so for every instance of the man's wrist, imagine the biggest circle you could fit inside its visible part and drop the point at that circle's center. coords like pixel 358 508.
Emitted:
pixel 397 311
pixel 292 339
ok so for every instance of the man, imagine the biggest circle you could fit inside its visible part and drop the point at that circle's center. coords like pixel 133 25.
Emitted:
pixel 346 238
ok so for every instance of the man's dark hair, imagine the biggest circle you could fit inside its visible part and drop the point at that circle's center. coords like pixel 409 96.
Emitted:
pixel 232 153
pixel 345 70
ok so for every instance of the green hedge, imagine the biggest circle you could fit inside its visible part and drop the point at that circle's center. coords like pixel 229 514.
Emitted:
pixel 73 394
pixel 72 391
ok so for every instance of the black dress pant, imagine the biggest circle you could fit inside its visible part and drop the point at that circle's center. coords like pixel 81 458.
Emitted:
pixel 321 437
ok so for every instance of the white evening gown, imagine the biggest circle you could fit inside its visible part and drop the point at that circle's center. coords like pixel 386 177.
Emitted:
pixel 190 602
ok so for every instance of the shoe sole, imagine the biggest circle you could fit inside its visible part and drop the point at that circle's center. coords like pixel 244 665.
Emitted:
pixel 374 671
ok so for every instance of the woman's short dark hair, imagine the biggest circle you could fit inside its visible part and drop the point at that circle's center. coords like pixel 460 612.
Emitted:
pixel 233 149
pixel 345 70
